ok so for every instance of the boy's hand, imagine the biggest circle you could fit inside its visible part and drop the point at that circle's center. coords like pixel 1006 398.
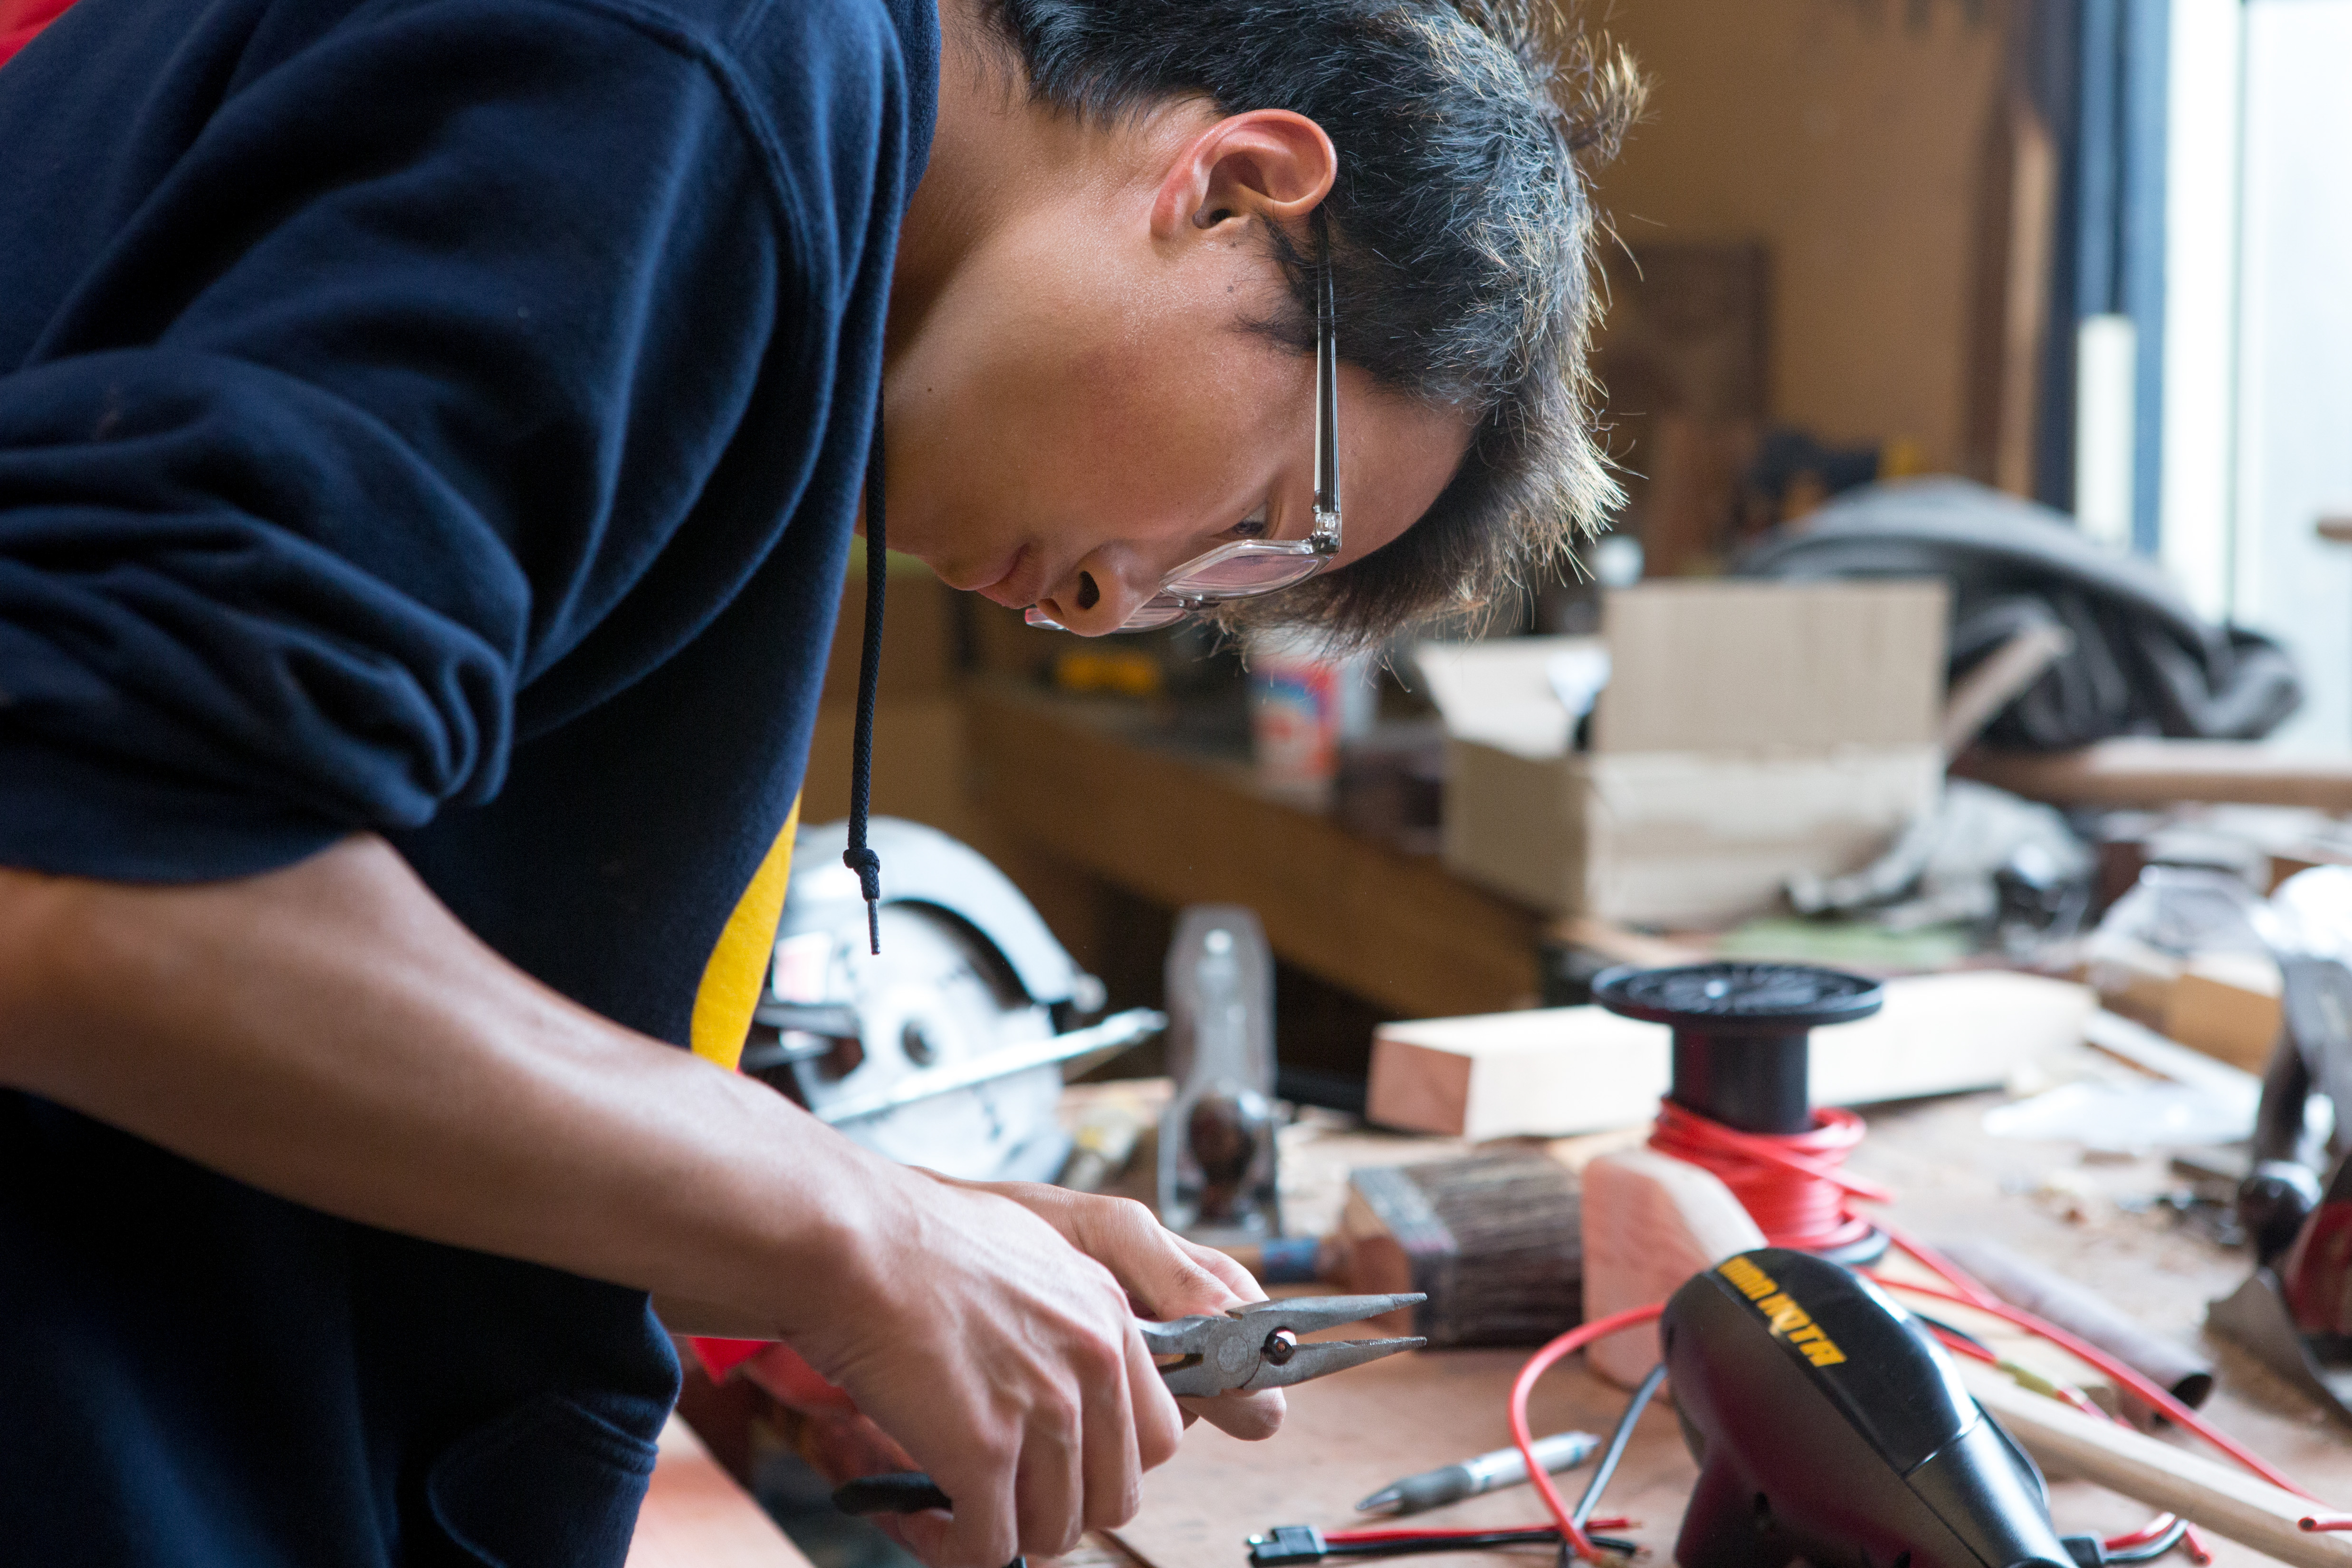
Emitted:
pixel 1164 1276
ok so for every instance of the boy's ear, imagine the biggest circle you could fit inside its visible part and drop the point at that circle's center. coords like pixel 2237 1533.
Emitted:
pixel 1268 164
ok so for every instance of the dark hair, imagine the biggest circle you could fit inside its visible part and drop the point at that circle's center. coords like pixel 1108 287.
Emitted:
pixel 1462 238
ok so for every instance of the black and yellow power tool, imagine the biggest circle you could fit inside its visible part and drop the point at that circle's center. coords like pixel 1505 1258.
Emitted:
pixel 1829 1426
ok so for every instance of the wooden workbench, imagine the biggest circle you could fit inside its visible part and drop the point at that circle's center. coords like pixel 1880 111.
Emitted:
pixel 1349 1435
pixel 1098 784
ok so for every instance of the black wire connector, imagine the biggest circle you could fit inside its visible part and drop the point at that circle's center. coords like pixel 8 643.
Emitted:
pixel 1289 1543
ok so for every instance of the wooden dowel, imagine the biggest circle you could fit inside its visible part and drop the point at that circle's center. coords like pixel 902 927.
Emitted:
pixel 2218 1496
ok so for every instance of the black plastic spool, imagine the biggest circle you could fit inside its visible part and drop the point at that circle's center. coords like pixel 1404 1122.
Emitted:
pixel 1741 1042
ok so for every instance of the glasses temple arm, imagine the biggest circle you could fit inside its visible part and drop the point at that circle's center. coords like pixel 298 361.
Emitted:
pixel 1327 398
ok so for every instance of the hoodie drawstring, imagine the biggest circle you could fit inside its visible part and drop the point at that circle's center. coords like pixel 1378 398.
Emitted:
pixel 857 857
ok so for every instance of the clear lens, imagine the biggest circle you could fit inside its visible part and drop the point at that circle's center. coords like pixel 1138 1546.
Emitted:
pixel 1156 611
pixel 1253 572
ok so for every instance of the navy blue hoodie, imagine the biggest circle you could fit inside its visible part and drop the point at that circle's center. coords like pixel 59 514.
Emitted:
pixel 444 418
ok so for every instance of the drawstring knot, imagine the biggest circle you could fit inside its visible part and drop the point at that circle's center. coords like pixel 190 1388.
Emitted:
pixel 868 867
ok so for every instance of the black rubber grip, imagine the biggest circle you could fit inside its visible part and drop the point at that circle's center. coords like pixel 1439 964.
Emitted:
pixel 908 1492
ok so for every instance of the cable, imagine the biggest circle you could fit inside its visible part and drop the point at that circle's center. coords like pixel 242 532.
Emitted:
pixel 1574 1540
pixel 1286 1546
pixel 1450 1540
pixel 1791 1183
pixel 1617 1441
pixel 1969 1293
pixel 1528 1531
pixel 2149 1552
pixel 1949 1333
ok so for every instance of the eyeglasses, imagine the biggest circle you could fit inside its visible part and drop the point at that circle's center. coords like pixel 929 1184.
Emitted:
pixel 1248 567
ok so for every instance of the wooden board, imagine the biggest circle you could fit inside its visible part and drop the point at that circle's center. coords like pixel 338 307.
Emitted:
pixel 1085 782
pixel 2153 773
pixel 1564 1070
pixel 2214 1493
pixel 694 1515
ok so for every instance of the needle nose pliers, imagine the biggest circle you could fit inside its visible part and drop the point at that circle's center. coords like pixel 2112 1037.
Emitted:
pixel 1239 1350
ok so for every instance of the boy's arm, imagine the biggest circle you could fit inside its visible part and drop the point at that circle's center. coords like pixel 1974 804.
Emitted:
pixel 329 1033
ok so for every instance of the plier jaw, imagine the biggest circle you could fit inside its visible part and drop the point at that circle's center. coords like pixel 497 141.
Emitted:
pixel 1257 1346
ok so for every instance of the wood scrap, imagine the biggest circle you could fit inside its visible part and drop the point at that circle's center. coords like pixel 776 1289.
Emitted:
pixel 2227 1005
pixel 1555 1072
pixel 2220 1497
pixel 1651 1222
pixel 2142 771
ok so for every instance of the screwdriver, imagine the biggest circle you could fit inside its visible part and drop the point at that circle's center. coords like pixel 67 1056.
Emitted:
pixel 1503 1467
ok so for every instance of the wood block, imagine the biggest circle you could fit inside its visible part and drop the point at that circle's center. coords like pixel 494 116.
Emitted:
pixel 1500 1075
pixel 2227 1005
pixel 1651 1222
pixel 1558 1071
pixel 2132 978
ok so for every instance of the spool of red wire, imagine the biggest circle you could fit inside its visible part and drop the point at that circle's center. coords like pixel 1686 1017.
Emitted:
pixel 1739 1105
pixel 1790 1183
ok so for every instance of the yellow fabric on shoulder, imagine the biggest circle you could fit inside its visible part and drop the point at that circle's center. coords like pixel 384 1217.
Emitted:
pixel 730 992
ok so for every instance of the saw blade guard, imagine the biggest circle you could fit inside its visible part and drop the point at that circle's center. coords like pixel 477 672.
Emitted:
pixel 896 1049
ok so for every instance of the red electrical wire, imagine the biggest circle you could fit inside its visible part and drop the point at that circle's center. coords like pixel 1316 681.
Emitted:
pixel 1567 1345
pixel 1971 1294
pixel 2140 1385
pixel 1791 1183
pixel 1795 1188
pixel 1533 1532
pixel 1960 1345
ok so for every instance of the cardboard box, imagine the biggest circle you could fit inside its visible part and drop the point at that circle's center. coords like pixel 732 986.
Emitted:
pixel 1747 731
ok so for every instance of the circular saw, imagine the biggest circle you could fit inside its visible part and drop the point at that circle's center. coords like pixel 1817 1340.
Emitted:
pixel 947 1048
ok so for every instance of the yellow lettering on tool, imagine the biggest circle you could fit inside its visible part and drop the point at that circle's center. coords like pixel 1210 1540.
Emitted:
pixel 1784 1317
pixel 1783 1313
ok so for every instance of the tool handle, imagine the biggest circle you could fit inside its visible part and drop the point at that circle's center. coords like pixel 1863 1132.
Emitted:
pixel 901 1491
pixel 905 1492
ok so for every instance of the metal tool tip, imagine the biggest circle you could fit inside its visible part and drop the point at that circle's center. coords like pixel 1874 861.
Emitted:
pixel 1387 1497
